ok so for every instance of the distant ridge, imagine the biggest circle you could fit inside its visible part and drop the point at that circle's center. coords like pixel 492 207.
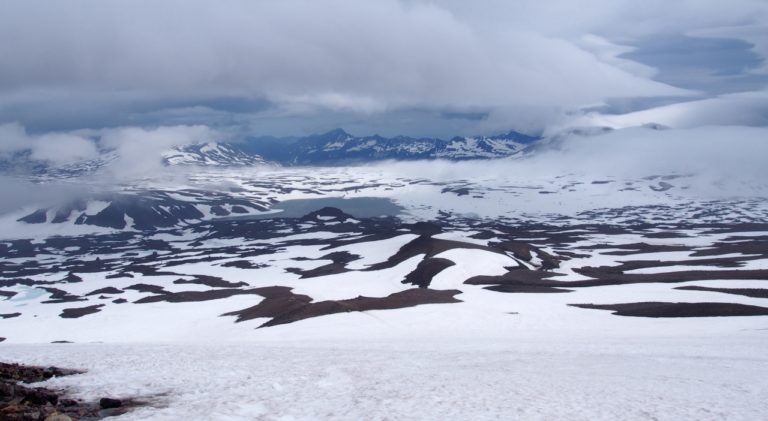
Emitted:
pixel 337 146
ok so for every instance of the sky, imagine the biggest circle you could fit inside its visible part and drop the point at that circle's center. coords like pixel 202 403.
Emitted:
pixel 146 71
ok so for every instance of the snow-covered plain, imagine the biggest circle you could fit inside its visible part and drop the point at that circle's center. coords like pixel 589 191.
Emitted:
pixel 494 355
pixel 664 378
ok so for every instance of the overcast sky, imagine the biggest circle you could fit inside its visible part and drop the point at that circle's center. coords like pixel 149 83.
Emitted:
pixel 432 68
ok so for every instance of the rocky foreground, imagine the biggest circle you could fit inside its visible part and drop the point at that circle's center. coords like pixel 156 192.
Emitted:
pixel 21 400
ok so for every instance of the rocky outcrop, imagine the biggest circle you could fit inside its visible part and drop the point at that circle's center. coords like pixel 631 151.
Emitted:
pixel 21 401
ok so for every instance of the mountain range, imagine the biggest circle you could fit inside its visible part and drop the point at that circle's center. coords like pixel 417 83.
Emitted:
pixel 336 147
pixel 340 147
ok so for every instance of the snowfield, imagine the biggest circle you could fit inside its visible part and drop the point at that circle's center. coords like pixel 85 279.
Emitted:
pixel 492 295
pixel 664 378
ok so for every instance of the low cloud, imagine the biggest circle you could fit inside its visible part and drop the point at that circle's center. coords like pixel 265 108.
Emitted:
pixel 716 160
pixel 13 138
pixel 140 150
pixel 18 194
pixel 743 109
pixel 719 151
pixel 53 148
pixel 61 148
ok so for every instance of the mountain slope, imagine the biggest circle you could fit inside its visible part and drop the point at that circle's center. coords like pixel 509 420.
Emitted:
pixel 211 154
pixel 338 146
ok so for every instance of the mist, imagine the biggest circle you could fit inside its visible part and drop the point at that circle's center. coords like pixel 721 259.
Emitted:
pixel 20 193
pixel 718 160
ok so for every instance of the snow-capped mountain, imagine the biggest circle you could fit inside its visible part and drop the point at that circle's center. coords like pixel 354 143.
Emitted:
pixel 331 148
pixel 211 154
pixel 338 146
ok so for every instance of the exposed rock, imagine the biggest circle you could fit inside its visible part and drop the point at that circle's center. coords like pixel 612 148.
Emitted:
pixel 426 270
pixel 7 294
pixel 64 212
pixel 458 191
pixel 37 217
pixel 30 374
pixel 747 292
pixel 661 309
pixel 74 313
pixel 242 264
pixel 239 209
pixel 334 214
pixel 219 211
pixel 535 289
pixel 107 290
pixel 107 403
pixel 211 281
pixel 339 261
pixel 194 296
pixel 607 277
pixel 60 296
pixel 146 288
pixel 286 307
pixel 21 402
pixel 72 278
pixel 429 247
pixel 119 275
pixel 635 248
pixel 518 277
pixel 426 229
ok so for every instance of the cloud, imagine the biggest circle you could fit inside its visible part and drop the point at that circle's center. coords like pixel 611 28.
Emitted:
pixel 60 148
pixel 612 19
pixel 638 151
pixel 13 138
pixel 743 109
pixel 715 161
pixel 709 65
pixel 109 63
pixel 54 148
pixel 140 150
pixel 753 33
pixel 18 194
pixel 370 56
